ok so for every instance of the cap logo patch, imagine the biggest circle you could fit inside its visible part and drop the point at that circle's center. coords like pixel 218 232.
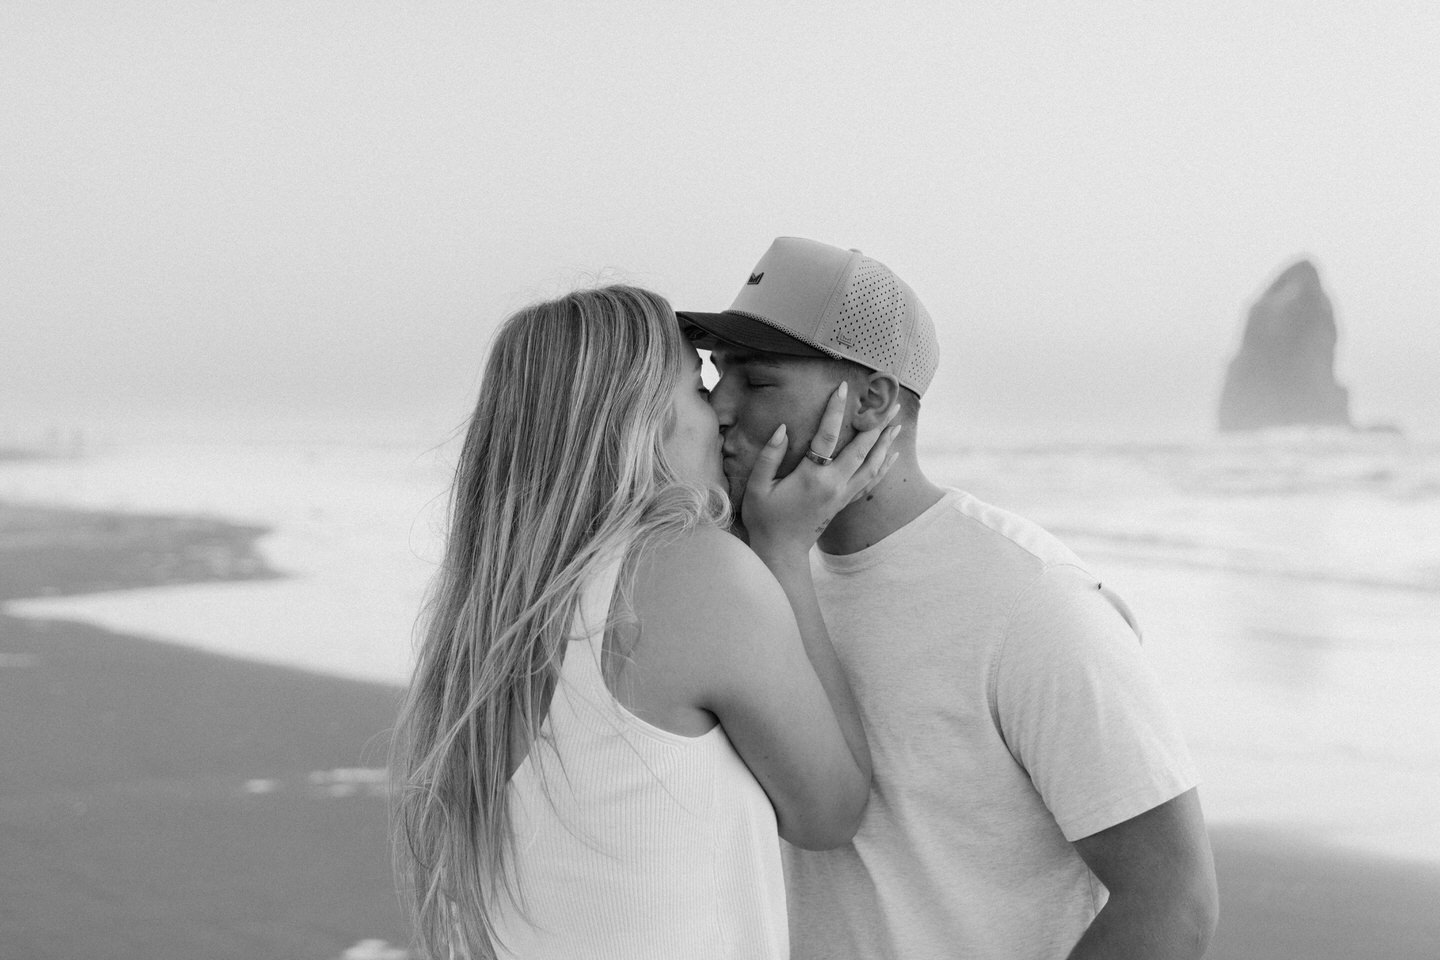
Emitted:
pixel 755 278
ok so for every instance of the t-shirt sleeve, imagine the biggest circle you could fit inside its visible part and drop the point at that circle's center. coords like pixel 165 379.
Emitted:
pixel 1080 708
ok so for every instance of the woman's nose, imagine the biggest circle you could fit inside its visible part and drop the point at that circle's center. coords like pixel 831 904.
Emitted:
pixel 722 402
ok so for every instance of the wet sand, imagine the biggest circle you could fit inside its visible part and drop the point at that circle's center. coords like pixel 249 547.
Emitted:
pixel 159 802
pixel 164 803
pixel 1283 897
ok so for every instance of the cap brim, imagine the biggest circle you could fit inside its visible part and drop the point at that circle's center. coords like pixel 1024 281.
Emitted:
pixel 738 330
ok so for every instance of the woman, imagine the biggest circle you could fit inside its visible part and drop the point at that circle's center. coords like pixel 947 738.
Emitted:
pixel 616 705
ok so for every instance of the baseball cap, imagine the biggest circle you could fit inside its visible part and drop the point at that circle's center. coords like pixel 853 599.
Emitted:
pixel 809 299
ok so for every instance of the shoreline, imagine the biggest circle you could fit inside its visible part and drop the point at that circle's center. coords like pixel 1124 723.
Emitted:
pixel 164 802
pixel 52 551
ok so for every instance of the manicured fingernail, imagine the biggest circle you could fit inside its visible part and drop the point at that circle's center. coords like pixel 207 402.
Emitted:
pixel 778 437
pixel 895 429
pixel 844 389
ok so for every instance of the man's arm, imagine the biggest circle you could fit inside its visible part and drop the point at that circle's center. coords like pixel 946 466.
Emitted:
pixel 1158 868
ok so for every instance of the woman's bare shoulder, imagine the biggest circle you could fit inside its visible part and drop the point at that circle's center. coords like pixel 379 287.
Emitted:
pixel 702 603
pixel 706 570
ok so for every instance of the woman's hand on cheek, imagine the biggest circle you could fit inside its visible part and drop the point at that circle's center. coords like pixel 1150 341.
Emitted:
pixel 785 517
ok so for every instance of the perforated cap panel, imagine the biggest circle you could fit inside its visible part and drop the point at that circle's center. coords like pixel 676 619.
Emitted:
pixel 872 315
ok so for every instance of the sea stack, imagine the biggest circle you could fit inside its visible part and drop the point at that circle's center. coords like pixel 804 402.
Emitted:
pixel 1284 373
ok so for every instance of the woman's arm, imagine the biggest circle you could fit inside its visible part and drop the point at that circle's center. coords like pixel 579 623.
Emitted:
pixel 721 637
pixel 718 636
pixel 787 516
pixel 794 579
pixel 722 634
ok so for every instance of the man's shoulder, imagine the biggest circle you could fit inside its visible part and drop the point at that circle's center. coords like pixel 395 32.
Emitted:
pixel 973 530
pixel 961 550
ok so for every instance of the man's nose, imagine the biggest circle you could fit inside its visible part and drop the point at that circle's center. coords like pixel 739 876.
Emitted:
pixel 722 401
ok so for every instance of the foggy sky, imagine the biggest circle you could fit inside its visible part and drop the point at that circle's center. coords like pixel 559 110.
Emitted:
pixel 303 205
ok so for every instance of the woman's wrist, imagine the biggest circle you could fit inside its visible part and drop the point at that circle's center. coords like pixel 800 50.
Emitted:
pixel 779 553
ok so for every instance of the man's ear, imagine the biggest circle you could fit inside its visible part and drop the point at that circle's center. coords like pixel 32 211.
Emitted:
pixel 876 394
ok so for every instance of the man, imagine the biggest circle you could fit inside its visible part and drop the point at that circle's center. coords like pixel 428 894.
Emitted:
pixel 1032 796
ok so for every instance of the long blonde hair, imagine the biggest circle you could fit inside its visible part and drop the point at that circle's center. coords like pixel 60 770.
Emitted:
pixel 562 468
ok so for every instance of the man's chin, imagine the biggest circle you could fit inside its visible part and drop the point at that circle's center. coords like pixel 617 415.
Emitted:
pixel 735 488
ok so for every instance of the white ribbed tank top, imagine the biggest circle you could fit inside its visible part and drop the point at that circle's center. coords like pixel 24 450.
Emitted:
pixel 635 843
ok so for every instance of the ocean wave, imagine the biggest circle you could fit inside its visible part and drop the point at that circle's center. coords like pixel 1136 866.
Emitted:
pixel 1177 551
pixel 1283 463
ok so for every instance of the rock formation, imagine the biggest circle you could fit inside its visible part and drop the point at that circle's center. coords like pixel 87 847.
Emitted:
pixel 1285 371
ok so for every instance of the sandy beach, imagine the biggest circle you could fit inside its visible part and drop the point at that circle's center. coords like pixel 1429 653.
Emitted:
pixel 169 804
pixel 1285 898
pixel 160 802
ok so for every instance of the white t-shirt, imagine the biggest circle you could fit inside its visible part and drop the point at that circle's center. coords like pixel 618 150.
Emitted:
pixel 635 843
pixel 1009 711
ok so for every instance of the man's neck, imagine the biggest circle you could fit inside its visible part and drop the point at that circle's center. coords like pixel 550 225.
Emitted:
pixel 903 495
